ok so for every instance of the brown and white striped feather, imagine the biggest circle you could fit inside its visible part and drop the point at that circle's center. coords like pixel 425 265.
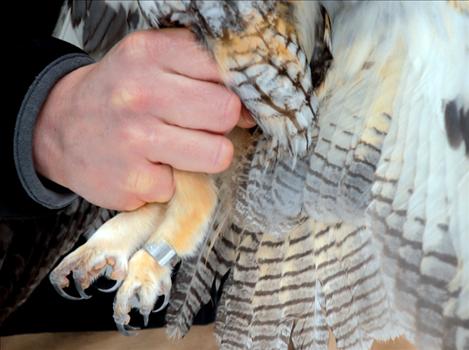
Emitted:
pixel 394 262
pixel 413 198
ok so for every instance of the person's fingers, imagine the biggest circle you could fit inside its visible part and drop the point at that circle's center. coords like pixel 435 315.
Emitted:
pixel 246 121
pixel 151 183
pixel 194 104
pixel 189 150
pixel 178 51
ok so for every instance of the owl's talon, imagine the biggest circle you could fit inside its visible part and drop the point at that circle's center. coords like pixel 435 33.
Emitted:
pixel 145 281
pixel 127 330
pixel 132 328
pixel 79 287
pixel 87 264
pixel 64 294
pixel 165 303
pixel 146 318
pixel 59 283
pixel 113 288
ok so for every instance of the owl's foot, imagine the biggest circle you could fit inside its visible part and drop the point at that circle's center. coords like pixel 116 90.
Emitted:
pixel 86 264
pixel 145 281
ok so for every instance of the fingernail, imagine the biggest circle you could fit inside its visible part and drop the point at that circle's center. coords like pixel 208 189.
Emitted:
pixel 246 120
pixel 224 156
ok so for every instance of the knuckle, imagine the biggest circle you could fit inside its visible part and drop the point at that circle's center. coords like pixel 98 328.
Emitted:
pixel 130 97
pixel 145 45
pixel 134 45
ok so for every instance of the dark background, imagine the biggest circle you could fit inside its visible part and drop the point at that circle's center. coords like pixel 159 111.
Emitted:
pixel 45 310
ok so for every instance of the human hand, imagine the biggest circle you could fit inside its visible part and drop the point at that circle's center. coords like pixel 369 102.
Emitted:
pixel 111 131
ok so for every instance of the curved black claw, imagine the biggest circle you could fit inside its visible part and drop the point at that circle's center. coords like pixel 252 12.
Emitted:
pixel 80 288
pixel 111 289
pixel 63 294
pixel 127 330
pixel 165 302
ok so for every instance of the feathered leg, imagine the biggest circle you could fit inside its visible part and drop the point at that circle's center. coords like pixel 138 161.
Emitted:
pixel 107 252
pixel 183 228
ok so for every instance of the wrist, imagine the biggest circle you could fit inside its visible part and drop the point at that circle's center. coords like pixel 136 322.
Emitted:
pixel 31 105
pixel 53 123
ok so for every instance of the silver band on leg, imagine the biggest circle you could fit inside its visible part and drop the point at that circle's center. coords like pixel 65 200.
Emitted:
pixel 162 252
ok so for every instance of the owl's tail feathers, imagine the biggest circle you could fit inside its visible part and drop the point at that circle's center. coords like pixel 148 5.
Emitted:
pixel 199 278
pixel 294 289
pixel 299 288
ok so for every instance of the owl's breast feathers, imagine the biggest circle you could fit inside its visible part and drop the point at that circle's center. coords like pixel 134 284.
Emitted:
pixel 265 64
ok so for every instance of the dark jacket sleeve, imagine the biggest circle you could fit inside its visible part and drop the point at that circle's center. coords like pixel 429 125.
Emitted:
pixel 33 66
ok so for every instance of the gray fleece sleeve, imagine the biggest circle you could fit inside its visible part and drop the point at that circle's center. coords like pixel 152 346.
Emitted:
pixel 51 196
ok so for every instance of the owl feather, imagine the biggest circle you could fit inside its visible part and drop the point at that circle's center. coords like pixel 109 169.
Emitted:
pixel 350 213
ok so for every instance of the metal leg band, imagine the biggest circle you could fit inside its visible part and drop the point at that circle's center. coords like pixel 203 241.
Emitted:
pixel 162 252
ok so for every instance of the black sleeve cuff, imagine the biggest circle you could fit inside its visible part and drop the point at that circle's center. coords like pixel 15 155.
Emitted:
pixel 32 68
pixel 30 108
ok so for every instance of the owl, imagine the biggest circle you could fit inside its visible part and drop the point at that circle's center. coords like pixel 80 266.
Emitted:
pixel 364 237
pixel 264 50
pixel 346 213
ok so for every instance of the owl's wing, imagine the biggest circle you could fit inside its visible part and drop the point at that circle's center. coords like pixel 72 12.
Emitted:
pixel 419 208
pixel 95 26
pixel 391 157
pixel 385 188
